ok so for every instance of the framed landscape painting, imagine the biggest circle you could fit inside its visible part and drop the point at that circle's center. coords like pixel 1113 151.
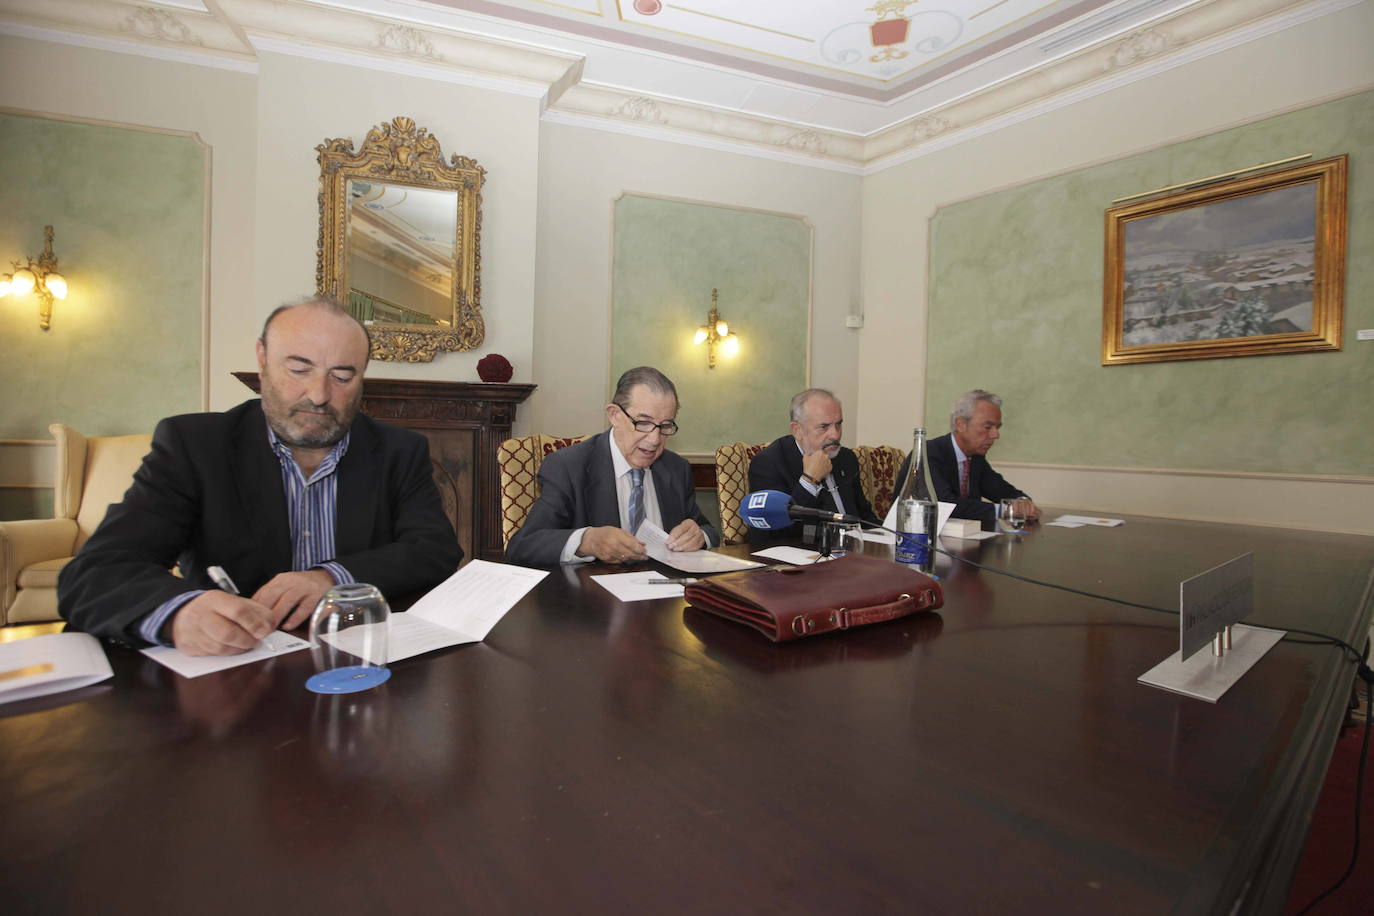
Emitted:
pixel 1242 267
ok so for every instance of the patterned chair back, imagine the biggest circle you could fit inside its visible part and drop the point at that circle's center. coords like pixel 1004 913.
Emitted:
pixel 878 467
pixel 519 461
pixel 732 482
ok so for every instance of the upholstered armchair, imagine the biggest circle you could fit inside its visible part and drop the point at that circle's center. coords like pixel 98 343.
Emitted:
pixel 732 483
pixel 518 461
pixel 878 467
pixel 91 473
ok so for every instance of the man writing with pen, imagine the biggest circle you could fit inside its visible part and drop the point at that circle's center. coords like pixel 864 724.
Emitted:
pixel 289 495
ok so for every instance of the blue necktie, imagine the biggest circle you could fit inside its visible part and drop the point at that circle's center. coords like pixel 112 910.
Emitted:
pixel 636 498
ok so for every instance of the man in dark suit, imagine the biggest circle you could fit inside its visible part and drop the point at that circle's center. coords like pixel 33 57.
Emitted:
pixel 290 496
pixel 595 494
pixel 959 467
pixel 811 465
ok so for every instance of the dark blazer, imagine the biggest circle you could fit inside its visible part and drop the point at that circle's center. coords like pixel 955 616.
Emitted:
pixel 577 490
pixel 983 482
pixel 779 467
pixel 210 493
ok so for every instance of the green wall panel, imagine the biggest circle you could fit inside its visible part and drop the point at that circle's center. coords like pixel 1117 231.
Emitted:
pixel 1015 299
pixel 128 210
pixel 669 255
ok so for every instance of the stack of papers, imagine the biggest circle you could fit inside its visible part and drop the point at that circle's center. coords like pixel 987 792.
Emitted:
pixel 693 561
pixel 41 665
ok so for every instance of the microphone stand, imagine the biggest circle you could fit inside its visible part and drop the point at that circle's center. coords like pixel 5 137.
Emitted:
pixel 823 538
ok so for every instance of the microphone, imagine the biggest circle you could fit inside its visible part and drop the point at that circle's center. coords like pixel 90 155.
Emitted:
pixel 770 510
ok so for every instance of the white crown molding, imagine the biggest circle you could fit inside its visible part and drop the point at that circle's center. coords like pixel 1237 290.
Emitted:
pixel 353 58
pixel 1187 37
pixel 303 24
pixel 652 131
pixel 153 26
pixel 671 117
pixel 199 58
pixel 231 34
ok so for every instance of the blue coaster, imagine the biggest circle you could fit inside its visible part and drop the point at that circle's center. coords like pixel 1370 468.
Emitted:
pixel 350 679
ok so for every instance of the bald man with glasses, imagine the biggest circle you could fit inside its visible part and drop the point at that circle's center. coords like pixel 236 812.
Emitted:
pixel 594 495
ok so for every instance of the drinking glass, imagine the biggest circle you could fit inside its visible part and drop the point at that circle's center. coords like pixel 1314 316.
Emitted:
pixel 348 639
pixel 845 539
pixel 1012 514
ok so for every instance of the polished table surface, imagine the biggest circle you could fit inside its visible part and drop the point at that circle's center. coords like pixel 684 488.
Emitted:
pixel 995 756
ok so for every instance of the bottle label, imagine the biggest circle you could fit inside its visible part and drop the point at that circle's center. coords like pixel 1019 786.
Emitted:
pixel 913 548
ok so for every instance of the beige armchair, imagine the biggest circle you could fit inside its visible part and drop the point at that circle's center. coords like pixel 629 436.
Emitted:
pixel 91 474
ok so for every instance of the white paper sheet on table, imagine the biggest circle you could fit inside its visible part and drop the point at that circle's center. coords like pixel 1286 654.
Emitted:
pixel 944 512
pixel 1064 521
pixel 797 556
pixel 975 536
pixel 634 586
pixel 41 665
pixel 274 644
pixel 461 609
pixel 693 561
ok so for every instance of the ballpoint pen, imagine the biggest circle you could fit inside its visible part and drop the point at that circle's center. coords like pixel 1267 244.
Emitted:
pixel 671 582
pixel 221 578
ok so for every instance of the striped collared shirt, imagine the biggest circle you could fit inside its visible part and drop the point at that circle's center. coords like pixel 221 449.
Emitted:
pixel 311 509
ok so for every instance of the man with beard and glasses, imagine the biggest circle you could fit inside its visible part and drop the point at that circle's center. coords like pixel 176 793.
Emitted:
pixel 289 495
pixel 811 465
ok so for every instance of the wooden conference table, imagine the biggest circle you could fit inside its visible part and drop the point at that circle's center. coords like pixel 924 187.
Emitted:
pixel 995 756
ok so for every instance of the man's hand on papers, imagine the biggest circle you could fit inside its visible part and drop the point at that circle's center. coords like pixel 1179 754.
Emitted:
pixel 218 623
pixel 611 545
pixel 292 596
pixel 687 536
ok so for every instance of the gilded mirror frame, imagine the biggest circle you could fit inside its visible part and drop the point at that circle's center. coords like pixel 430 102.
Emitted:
pixel 400 153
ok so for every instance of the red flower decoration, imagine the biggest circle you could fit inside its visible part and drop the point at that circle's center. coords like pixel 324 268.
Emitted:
pixel 494 368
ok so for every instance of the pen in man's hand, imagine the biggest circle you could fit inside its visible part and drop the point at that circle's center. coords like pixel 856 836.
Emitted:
pixel 221 578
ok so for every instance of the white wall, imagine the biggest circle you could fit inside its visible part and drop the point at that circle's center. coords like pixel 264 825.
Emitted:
pixel 582 171
pixel 1320 59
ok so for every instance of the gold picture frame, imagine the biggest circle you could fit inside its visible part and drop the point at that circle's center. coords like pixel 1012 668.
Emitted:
pixel 442 266
pixel 1244 267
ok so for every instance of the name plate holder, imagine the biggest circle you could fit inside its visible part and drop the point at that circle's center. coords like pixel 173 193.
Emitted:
pixel 1211 606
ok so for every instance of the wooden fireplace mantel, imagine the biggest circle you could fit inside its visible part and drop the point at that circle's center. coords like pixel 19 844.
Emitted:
pixel 464 422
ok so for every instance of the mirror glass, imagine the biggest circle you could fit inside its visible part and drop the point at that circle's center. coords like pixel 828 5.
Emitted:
pixel 399 241
pixel 401 253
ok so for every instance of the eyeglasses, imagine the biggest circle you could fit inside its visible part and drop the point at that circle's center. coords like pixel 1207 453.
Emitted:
pixel 667 427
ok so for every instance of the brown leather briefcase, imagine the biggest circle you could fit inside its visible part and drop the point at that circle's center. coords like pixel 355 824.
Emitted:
pixel 789 602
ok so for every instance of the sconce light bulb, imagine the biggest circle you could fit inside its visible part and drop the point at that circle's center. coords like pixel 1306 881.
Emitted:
pixel 4 287
pixel 730 346
pixel 722 329
pixel 57 285
pixel 701 335
pixel 22 282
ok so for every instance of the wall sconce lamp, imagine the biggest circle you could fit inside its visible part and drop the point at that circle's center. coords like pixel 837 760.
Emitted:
pixel 39 277
pixel 716 332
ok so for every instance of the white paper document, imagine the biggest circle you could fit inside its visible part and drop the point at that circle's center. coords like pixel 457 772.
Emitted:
pixel 1065 521
pixel 942 516
pixel 41 665
pixel 974 536
pixel 635 586
pixel 276 643
pixel 693 561
pixel 461 609
pixel 797 556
